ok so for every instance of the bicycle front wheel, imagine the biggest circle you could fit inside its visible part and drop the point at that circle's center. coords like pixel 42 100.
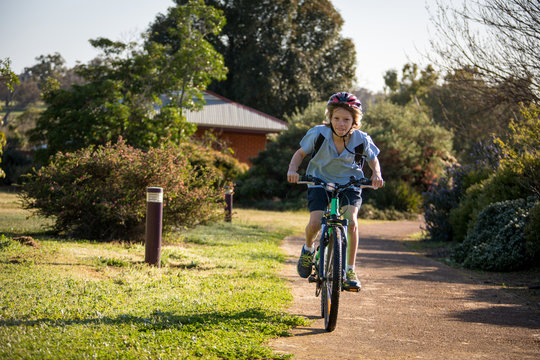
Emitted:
pixel 332 278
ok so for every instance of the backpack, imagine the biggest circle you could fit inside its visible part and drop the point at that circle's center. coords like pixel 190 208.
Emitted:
pixel 359 156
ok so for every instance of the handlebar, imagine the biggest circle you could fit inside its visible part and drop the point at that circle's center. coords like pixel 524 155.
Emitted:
pixel 361 182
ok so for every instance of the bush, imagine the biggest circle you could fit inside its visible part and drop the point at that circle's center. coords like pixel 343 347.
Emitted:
pixel 413 148
pixel 532 235
pixel 99 193
pixel 497 241
pixel 439 200
pixel 202 156
pixel 397 195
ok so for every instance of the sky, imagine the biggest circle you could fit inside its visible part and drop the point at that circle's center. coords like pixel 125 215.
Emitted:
pixel 387 33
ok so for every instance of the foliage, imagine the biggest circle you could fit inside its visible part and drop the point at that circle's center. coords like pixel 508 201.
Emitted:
pixel 368 211
pixel 461 105
pixel 522 149
pixel 509 171
pixel 442 197
pixel 412 87
pixel 122 89
pixel 185 59
pixel 32 81
pixel 99 193
pixel 497 242
pixel 282 55
pixel 201 156
pixel 397 195
pixel 499 39
pixel 7 79
pixel 413 148
pixel 531 233
pixel 216 295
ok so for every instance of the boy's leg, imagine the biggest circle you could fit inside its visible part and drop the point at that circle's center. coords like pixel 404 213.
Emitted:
pixel 351 282
pixel 313 227
pixel 304 266
pixel 351 214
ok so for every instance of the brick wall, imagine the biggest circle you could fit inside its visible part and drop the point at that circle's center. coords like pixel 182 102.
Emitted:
pixel 245 145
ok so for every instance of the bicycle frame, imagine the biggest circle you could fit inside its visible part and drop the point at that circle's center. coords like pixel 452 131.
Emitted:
pixel 329 222
pixel 331 258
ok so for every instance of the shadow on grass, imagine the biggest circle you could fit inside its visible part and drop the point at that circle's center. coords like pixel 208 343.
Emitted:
pixel 168 320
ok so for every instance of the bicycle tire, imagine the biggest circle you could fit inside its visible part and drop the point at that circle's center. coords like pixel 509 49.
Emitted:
pixel 331 286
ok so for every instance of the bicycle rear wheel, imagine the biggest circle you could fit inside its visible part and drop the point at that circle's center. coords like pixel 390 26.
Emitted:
pixel 332 278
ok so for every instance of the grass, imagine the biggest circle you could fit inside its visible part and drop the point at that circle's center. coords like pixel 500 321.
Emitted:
pixel 217 294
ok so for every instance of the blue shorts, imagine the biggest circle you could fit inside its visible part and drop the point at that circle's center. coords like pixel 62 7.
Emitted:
pixel 318 198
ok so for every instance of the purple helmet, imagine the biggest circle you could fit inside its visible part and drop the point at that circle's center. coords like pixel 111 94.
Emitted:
pixel 345 98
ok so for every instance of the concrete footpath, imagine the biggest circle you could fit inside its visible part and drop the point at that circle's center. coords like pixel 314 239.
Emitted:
pixel 410 307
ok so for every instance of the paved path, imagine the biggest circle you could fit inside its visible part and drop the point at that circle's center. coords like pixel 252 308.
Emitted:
pixel 410 307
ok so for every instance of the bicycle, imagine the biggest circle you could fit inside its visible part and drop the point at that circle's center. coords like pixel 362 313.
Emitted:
pixel 330 261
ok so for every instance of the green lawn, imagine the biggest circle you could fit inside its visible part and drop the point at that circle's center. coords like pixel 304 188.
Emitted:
pixel 217 295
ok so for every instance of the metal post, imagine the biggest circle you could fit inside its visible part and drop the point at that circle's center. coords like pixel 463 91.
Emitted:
pixel 228 203
pixel 154 219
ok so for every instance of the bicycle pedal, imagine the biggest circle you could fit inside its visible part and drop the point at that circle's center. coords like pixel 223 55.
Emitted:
pixel 351 289
pixel 312 278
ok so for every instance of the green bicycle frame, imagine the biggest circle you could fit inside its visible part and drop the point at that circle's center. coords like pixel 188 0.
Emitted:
pixel 334 214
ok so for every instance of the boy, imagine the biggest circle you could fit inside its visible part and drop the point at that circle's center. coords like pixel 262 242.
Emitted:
pixel 334 162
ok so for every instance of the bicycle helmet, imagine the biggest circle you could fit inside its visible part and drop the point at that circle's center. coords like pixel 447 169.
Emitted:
pixel 345 98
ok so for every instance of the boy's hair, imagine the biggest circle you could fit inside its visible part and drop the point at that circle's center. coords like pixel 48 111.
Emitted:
pixel 355 112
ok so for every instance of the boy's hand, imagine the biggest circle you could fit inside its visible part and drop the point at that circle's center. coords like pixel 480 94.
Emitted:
pixel 377 180
pixel 292 177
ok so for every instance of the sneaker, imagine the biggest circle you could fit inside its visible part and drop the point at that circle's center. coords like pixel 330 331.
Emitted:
pixel 351 282
pixel 305 263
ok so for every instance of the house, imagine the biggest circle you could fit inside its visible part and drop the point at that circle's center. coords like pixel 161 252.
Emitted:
pixel 245 129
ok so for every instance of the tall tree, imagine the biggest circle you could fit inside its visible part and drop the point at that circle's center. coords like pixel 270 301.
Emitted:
pixel 499 40
pixel 414 84
pixel 281 54
pixel 7 78
pixel 125 83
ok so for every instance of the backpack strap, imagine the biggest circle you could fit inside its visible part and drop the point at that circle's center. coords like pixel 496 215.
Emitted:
pixel 318 144
pixel 359 156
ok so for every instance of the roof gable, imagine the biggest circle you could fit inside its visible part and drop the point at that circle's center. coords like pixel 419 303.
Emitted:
pixel 220 112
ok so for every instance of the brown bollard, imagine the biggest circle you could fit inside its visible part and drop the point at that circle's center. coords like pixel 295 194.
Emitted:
pixel 228 203
pixel 154 219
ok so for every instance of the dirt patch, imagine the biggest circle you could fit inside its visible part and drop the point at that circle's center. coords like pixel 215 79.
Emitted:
pixel 410 307
pixel 28 241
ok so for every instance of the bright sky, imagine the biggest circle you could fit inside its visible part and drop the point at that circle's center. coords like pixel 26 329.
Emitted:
pixel 387 33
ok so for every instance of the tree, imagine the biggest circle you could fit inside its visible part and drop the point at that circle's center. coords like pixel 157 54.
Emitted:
pixel 500 40
pixel 187 61
pixel 413 86
pixel 282 55
pixel 413 148
pixel 123 87
pixel 32 81
pixel 7 78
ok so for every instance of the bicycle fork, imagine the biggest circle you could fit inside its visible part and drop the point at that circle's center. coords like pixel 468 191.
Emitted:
pixel 326 236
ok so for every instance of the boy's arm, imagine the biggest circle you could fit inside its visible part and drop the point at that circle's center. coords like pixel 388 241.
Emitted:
pixel 376 177
pixel 292 174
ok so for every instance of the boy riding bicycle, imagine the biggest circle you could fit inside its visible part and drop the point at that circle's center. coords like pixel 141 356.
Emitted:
pixel 338 149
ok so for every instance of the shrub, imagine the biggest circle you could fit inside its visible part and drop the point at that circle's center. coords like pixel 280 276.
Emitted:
pixel 99 193
pixel 397 195
pixel 497 241
pixel 413 148
pixel 202 156
pixel 532 235
pixel 439 200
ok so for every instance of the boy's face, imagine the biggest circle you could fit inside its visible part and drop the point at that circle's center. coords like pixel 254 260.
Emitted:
pixel 342 121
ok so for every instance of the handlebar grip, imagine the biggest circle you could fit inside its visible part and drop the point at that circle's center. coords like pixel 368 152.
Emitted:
pixel 306 178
